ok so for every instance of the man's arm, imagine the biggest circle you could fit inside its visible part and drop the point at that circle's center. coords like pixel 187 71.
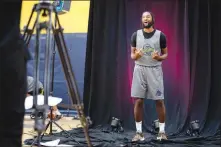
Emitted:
pixel 133 45
pixel 135 54
pixel 163 46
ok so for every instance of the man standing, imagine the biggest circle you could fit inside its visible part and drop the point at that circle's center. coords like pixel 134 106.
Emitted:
pixel 148 50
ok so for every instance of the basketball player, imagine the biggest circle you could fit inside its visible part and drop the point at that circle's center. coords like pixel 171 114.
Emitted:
pixel 148 50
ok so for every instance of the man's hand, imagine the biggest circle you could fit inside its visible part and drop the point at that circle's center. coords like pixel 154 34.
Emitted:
pixel 139 53
pixel 136 53
pixel 156 56
pixel 163 56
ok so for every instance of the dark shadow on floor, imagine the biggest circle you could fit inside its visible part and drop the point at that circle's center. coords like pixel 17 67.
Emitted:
pixel 103 136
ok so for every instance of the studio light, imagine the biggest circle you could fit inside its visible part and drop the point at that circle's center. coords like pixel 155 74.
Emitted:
pixel 194 128
pixel 89 122
pixel 155 125
pixel 116 125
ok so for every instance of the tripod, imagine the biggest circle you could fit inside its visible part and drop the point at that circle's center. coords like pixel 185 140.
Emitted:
pixel 47 9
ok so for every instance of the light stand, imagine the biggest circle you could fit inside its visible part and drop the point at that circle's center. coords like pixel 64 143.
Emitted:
pixel 155 125
pixel 47 9
pixel 194 129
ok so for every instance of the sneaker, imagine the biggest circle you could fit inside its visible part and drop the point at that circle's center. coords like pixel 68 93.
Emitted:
pixel 161 136
pixel 138 137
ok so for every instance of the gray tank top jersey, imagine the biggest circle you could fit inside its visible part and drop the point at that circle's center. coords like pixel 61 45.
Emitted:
pixel 148 46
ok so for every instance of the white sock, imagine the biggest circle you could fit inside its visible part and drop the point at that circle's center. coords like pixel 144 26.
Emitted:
pixel 162 127
pixel 139 127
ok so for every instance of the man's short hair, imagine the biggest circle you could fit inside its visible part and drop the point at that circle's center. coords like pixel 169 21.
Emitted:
pixel 152 15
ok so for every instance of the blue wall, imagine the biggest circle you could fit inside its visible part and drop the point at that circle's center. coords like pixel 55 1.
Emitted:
pixel 76 42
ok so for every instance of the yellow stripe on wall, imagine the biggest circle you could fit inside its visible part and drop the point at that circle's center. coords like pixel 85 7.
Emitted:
pixel 74 21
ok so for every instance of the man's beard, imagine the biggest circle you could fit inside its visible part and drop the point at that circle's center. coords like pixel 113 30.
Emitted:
pixel 149 25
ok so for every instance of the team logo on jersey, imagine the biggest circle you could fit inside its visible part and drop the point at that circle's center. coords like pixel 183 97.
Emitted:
pixel 158 93
pixel 148 50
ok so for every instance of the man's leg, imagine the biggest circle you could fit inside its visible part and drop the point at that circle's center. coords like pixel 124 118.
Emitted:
pixel 138 91
pixel 156 92
pixel 160 107
pixel 12 93
pixel 138 114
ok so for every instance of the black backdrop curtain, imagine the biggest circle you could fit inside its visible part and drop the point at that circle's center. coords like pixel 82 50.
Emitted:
pixel 205 49
pixel 191 72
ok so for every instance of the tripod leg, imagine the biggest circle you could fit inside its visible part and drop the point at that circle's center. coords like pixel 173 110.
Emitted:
pixel 51 117
pixel 66 64
pixel 27 32
pixel 47 61
pixel 64 131
pixel 70 78
pixel 40 122
pixel 42 135
pixel 46 128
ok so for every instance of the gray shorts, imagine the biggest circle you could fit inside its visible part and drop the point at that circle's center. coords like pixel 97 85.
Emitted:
pixel 147 82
